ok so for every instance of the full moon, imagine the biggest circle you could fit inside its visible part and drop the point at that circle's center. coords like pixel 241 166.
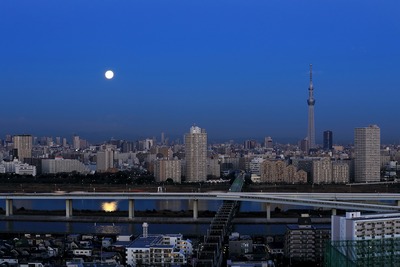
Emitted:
pixel 109 74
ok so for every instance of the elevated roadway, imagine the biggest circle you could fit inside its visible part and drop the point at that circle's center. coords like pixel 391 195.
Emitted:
pixel 342 201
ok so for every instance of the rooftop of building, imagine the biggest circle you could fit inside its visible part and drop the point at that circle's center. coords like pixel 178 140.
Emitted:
pixel 309 227
pixel 152 241
pixel 356 216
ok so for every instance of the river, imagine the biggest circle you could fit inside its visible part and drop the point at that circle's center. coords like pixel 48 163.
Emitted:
pixel 134 228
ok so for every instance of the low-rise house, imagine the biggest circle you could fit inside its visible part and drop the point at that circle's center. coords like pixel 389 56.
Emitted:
pixel 82 252
pixel 85 244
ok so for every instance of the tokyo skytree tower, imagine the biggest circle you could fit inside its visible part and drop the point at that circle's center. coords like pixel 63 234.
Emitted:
pixel 311 103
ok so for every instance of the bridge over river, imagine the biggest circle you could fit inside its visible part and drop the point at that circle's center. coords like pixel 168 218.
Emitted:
pixel 333 201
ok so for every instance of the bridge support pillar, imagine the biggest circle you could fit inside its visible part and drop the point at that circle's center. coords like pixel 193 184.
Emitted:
pixel 398 202
pixel 268 211
pixel 9 207
pixel 195 209
pixel 131 208
pixel 333 211
pixel 68 208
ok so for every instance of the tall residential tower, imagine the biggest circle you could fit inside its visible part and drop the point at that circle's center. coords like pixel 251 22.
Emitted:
pixel 311 103
pixel 196 154
pixel 367 164
pixel 328 145
pixel 23 146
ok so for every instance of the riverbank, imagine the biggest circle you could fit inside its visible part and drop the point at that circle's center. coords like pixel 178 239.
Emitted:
pixel 390 187
pixel 165 220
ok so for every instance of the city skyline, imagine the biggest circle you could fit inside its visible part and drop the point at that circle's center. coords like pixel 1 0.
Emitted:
pixel 238 69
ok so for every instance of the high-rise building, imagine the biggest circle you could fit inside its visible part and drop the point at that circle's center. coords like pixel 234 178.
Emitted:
pixel 340 172
pixel 64 142
pixel 23 146
pixel 311 103
pixel 327 140
pixel 105 160
pixel 250 144
pixel 167 168
pixel 76 142
pixel 145 145
pixel 304 145
pixel 268 142
pixel 305 241
pixel 162 138
pixel 8 138
pixel 213 167
pixel 322 171
pixel 196 154
pixel 367 142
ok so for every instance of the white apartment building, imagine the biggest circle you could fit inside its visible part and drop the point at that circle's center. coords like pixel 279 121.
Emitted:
pixel 354 226
pixel 17 167
pixel 255 165
pixel 158 250
pixel 367 240
pixel 58 165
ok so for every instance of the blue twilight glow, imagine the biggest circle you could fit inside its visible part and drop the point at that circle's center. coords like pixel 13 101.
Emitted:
pixel 237 68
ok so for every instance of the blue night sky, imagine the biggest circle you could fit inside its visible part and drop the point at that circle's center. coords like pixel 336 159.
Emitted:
pixel 239 69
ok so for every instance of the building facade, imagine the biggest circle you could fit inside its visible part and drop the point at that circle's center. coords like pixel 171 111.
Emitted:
pixel 367 142
pixel 196 155
pixel 17 167
pixel 23 146
pixel 328 139
pixel 240 244
pixel 268 142
pixel 277 171
pixel 158 250
pixel 340 172
pixel 105 160
pixel 76 142
pixel 167 168
pixel 354 226
pixel 364 240
pixel 322 171
pixel 305 241
pixel 59 165
pixel 255 165
pixel 213 167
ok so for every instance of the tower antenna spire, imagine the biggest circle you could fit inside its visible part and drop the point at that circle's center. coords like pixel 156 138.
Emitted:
pixel 311 103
